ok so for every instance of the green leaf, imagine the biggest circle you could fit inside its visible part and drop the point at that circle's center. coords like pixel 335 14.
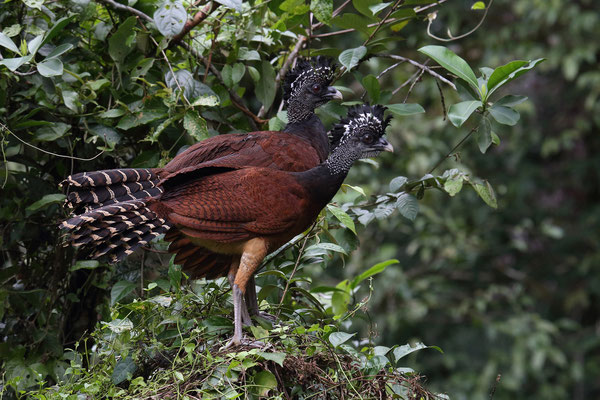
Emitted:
pixel 374 270
pixel 453 63
pixel 351 57
pixel 453 185
pixel 124 370
pixel 371 84
pixel 59 50
pixel 52 132
pixel 170 18
pixel 327 246
pixel 353 21
pixel 510 100
pixel 233 4
pixel 46 201
pixel 120 290
pixel 458 113
pixel 85 264
pixel 403 109
pixel 506 73
pixel 342 217
pixel 322 9
pixel 121 42
pixel 377 8
pixel 57 28
pixel 404 13
pixel 7 42
pixel 237 72
pixel 408 206
pixel 37 4
pixel 265 381
pixel 495 139
pixel 50 67
pixel 14 63
pixel 195 125
pixel 486 192
pixel 34 44
pixel 504 115
pixel 119 325
pixel 276 357
pixel 484 134
pixel 337 338
pixel 364 6
pixel 397 183
pixel 265 88
pixel 402 351
pixel 478 5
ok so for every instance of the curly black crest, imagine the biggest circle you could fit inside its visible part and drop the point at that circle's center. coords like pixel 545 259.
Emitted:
pixel 318 69
pixel 362 115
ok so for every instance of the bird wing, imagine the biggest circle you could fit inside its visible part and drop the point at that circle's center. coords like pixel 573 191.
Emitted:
pixel 236 205
pixel 271 149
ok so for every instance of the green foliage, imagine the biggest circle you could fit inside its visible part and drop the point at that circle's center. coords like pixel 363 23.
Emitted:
pixel 502 279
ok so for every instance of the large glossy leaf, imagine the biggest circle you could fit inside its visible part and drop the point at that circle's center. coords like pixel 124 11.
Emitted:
pixel 337 338
pixel 374 270
pixel 57 28
pixel 458 113
pixel 506 73
pixel 233 4
pixel 170 18
pixel 484 134
pixel 50 67
pixel 265 89
pixel 397 183
pixel 364 6
pixel 46 201
pixel 342 217
pixel 121 42
pixel 452 62
pixel 7 42
pixel 124 370
pixel 351 57
pixel 486 192
pixel 510 100
pixel 408 206
pixel 14 63
pixel 371 84
pixel 265 381
pixel 195 125
pixel 504 115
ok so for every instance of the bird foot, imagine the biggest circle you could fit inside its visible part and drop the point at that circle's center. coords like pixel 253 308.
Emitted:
pixel 245 342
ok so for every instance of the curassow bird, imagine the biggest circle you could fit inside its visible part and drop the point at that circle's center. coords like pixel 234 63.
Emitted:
pixel 246 213
pixel 302 145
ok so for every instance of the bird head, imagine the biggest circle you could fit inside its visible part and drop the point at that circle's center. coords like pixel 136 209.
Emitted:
pixel 363 129
pixel 309 82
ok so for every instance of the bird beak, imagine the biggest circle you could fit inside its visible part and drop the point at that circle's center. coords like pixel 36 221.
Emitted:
pixel 384 145
pixel 333 93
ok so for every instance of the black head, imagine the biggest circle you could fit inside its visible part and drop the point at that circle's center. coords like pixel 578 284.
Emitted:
pixel 309 82
pixel 363 128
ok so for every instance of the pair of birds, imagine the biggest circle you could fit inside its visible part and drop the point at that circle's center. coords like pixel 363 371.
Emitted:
pixel 228 201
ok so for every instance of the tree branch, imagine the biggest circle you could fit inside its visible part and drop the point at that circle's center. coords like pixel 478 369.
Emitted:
pixel 421 66
pixel 132 10
pixel 195 21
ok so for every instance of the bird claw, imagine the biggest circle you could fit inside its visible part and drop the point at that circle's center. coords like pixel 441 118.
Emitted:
pixel 246 342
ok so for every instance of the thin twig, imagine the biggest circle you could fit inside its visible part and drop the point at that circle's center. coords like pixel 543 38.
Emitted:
pixel 195 21
pixel 127 8
pixel 421 66
pixel 437 83
pixel 4 127
pixel 421 72
pixel 452 38
pixel 453 150
pixel 287 284
pixel 409 80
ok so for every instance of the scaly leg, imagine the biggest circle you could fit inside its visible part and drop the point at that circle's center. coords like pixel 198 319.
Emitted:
pixel 246 320
pixel 255 251
pixel 252 301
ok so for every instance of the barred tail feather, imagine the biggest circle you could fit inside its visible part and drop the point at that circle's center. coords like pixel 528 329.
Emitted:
pixel 116 230
pixel 96 189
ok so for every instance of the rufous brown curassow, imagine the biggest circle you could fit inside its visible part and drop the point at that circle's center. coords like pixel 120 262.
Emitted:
pixel 302 145
pixel 231 211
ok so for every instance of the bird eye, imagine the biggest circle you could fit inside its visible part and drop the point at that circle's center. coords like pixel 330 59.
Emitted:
pixel 316 88
pixel 368 138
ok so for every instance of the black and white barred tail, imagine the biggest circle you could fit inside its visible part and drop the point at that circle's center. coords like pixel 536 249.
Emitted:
pixel 91 190
pixel 115 230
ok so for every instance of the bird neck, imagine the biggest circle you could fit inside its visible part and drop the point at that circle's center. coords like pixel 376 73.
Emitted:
pixel 312 130
pixel 324 180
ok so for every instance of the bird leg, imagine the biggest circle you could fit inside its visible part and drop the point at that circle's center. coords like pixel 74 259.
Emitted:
pixel 255 251
pixel 233 269
pixel 252 301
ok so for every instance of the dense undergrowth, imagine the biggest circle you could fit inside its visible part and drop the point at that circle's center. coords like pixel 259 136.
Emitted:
pixel 173 343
